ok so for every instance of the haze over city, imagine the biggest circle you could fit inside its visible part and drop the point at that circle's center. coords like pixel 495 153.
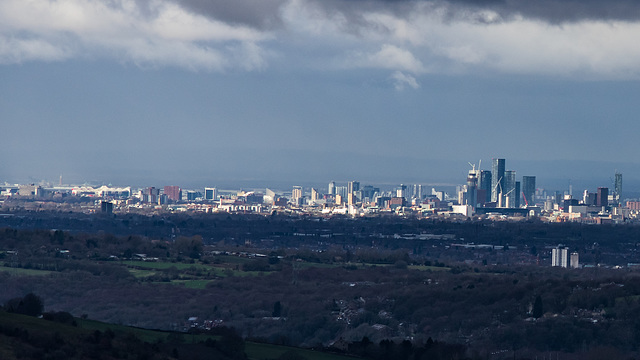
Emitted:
pixel 131 92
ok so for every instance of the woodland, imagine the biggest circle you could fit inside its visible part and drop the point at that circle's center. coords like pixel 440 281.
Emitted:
pixel 363 287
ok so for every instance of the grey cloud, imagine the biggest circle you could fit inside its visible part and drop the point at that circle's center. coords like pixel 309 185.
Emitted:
pixel 559 11
pixel 259 14
pixel 552 11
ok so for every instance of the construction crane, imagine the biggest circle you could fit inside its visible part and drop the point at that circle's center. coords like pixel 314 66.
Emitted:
pixel 506 196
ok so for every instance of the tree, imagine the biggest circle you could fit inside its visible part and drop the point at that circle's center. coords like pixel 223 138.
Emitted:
pixel 537 308
pixel 277 309
pixel 30 304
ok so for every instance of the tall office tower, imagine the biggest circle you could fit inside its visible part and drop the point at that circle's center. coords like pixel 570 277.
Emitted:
pixel 485 183
pixel 367 192
pixel 529 190
pixel 602 198
pixel 150 195
pixel 618 188
pixel 315 195
pixel 173 193
pixel 589 199
pixel 509 189
pixel 401 191
pixel 341 190
pixel 472 189
pixel 497 179
pixel 559 256
pixel 332 188
pixel 558 198
pixel 351 199
pixel 296 193
pixel 517 195
pixel 352 187
pixel 575 262
pixel 211 193
pixel 419 193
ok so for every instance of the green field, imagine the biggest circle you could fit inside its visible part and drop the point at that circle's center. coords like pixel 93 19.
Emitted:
pixel 259 351
pixel 192 284
pixel 255 351
pixel 23 272
pixel 163 265
pixel 428 268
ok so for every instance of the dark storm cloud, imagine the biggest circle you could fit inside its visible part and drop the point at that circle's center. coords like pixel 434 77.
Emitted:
pixel 552 11
pixel 559 11
pixel 266 14
pixel 259 14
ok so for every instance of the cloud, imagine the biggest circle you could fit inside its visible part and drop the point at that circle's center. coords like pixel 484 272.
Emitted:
pixel 158 33
pixel 263 14
pixel 556 11
pixel 585 38
pixel 401 80
pixel 550 11
pixel 387 57
pixel 14 50
pixel 465 37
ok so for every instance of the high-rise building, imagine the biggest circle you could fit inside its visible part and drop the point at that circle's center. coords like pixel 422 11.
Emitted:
pixel 588 198
pixel 559 256
pixel 516 203
pixel 173 193
pixel 210 193
pixel 485 184
pixel 296 193
pixel 472 189
pixel 529 190
pixel 401 191
pixel 353 186
pixel 509 190
pixel 332 188
pixel 575 262
pixel 369 191
pixel 193 195
pixel 341 190
pixel 603 197
pixel 497 179
pixel 314 194
pixel 150 195
pixel 618 188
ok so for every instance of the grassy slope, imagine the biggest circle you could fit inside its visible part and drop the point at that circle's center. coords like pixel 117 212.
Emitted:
pixel 255 351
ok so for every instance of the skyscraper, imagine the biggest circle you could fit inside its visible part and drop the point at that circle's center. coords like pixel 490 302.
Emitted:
pixel 603 197
pixel 575 260
pixel 353 186
pixel 509 189
pixel 401 191
pixel 618 188
pixel 332 188
pixel 497 178
pixel 485 183
pixel 296 193
pixel 529 189
pixel 559 256
pixel 173 193
pixel 210 193
pixel 472 186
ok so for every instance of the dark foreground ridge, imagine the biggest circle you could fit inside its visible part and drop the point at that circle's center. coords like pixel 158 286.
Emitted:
pixel 376 287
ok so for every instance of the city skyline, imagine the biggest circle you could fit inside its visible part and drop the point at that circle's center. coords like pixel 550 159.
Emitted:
pixel 305 91
pixel 523 185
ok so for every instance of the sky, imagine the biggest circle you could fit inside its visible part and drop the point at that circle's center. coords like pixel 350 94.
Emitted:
pixel 204 92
